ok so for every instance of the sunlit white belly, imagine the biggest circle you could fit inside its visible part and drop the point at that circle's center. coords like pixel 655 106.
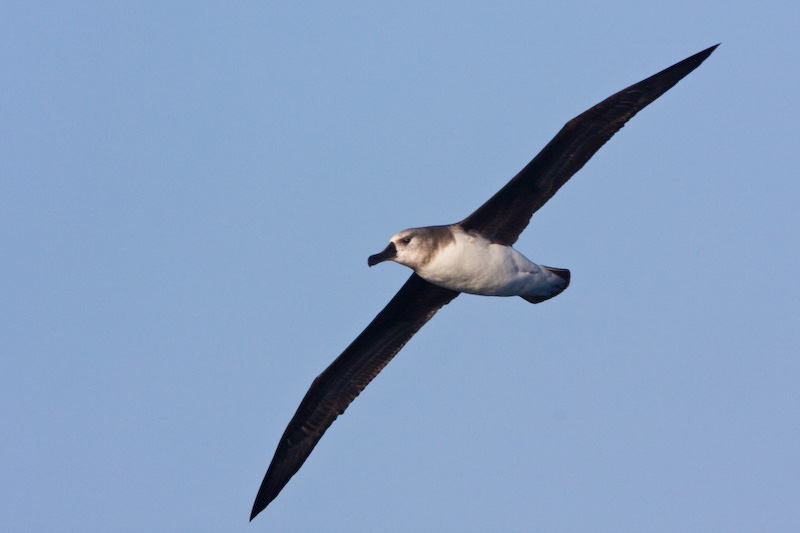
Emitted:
pixel 474 265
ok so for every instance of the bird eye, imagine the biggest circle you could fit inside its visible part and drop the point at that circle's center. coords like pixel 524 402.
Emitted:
pixel 406 240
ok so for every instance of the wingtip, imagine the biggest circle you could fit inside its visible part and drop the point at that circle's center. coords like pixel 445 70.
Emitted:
pixel 256 510
pixel 266 493
pixel 263 499
pixel 696 59
pixel 707 52
pixel 260 503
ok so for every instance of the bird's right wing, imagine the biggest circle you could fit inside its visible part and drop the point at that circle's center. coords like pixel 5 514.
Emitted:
pixel 347 376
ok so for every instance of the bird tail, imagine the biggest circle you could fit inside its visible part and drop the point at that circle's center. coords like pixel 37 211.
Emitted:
pixel 556 288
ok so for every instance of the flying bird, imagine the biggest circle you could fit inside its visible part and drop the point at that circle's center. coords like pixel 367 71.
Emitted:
pixel 473 256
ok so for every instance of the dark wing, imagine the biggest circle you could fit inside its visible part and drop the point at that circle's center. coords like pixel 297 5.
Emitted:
pixel 503 217
pixel 346 377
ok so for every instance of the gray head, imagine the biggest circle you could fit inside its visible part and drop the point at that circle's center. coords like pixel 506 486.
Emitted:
pixel 414 247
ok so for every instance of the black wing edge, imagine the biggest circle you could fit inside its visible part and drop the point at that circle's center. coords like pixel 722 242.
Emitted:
pixel 503 217
pixel 333 390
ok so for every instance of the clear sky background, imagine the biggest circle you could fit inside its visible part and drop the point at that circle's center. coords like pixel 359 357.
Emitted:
pixel 188 196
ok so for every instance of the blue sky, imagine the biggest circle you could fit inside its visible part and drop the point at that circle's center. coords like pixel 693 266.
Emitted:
pixel 189 194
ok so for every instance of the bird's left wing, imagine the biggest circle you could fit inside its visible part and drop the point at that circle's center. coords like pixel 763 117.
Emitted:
pixel 346 377
pixel 503 217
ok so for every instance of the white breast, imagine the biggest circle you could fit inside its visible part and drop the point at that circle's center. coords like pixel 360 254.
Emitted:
pixel 474 265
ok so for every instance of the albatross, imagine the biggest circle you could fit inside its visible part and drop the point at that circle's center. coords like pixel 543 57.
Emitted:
pixel 473 256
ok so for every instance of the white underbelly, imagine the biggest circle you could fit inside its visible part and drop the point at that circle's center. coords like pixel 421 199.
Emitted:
pixel 474 265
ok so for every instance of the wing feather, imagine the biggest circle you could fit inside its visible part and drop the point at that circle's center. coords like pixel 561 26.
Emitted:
pixel 333 390
pixel 503 217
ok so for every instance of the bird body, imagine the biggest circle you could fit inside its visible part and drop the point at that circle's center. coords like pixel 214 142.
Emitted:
pixel 462 261
pixel 474 256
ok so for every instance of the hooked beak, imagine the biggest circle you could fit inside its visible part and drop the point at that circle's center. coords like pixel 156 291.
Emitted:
pixel 389 253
